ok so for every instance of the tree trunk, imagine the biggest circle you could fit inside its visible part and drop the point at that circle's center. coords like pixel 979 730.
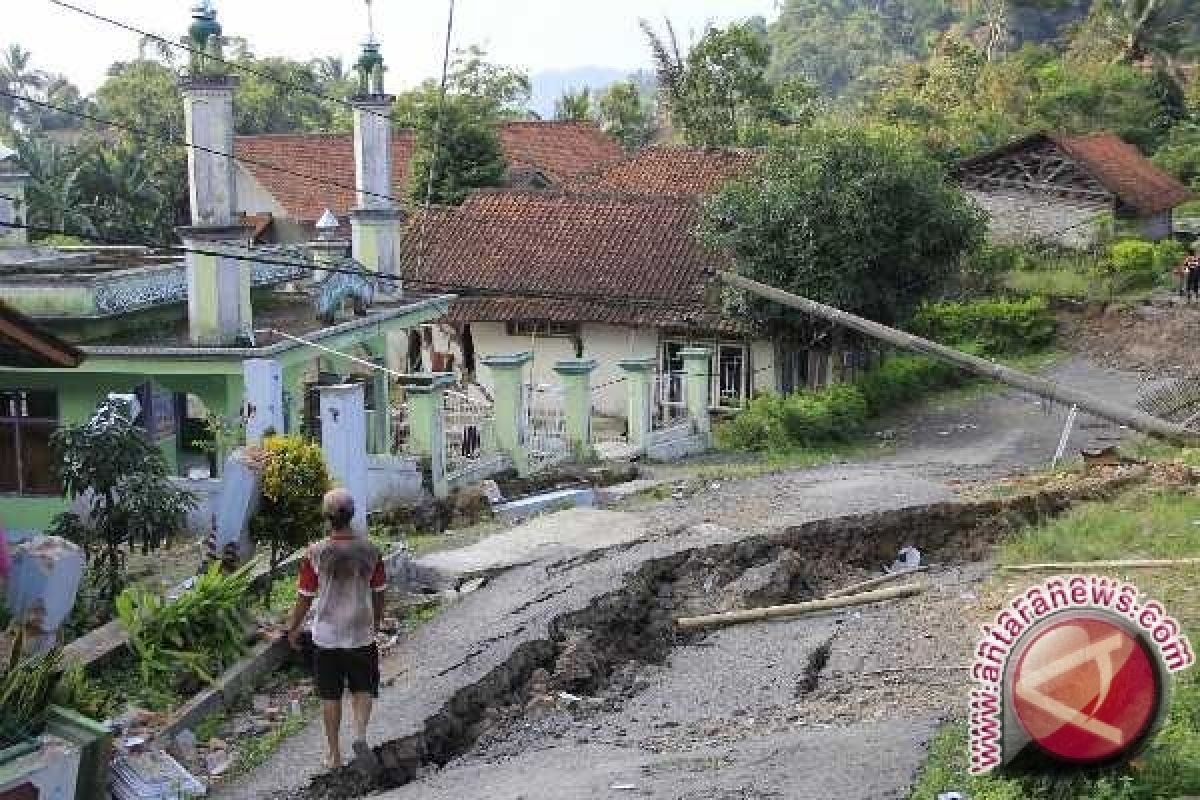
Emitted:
pixel 1100 407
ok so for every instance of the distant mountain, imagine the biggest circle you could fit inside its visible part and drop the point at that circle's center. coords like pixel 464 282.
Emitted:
pixel 548 86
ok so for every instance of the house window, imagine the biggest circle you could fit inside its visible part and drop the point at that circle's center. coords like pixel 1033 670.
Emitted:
pixel 731 374
pixel 533 327
pixel 27 420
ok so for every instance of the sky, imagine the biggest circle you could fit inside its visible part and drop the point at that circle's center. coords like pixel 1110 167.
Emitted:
pixel 537 35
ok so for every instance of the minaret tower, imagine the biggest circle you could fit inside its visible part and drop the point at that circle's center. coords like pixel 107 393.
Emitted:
pixel 219 312
pixel 375 220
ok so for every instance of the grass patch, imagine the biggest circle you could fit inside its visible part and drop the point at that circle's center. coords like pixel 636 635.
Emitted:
pixel 1137 524
pixel 1140 523
pixel 1168 768
pixel 210 727
pixel 254 751
pixel 1069 284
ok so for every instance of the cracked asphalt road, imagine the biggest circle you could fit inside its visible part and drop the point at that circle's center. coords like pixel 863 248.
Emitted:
pixel 732 721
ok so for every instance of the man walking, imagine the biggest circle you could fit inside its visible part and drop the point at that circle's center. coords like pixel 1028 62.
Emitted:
pixel 1191 266
pixel 343 576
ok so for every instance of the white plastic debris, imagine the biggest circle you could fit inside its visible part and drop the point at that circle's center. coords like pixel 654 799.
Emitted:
pixel 908 559
pixel 951 796
pixel 152 775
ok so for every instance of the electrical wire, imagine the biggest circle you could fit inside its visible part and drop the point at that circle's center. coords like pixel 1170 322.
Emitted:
pixel 201 148
pixel 235 65
pixel 460 289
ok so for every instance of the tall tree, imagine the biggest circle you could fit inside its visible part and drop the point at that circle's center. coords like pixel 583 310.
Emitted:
pixel 718 94
pixel 458 147
pixel 860 219
pixel 574 105
pixel 1128 31
pixel 18 76
pixel 145 95
pixel 627 114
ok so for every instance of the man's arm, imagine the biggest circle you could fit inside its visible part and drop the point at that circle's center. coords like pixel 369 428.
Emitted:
pixel 299 612
pixel 378 592
pixel 306 591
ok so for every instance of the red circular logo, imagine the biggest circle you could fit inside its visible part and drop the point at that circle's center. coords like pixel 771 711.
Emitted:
pixel 1085 689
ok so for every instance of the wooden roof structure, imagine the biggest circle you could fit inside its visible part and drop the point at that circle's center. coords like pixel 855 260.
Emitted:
pixel 1098 169
pixel 24 344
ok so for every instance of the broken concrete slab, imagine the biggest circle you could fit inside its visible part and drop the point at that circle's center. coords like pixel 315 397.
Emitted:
pixel 614 495
pixel 566 533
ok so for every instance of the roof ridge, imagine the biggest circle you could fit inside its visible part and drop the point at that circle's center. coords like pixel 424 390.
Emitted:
pixel 585 194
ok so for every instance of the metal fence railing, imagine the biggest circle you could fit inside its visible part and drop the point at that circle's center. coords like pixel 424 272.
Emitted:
pixel 670 400
pixel 545 426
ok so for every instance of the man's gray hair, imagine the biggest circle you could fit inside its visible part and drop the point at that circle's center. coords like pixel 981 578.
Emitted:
pixel 338 507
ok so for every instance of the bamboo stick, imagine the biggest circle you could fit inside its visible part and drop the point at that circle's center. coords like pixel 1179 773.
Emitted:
pixel 1075 566
pixel 1068 396
pixel 871 583
pixel 797 609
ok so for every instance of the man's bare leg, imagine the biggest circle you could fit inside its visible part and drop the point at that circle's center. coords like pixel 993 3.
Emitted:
pixel 360 704
pixel 332 711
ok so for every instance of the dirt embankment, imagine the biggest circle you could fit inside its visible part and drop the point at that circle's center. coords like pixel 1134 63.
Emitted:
pixel 1160 338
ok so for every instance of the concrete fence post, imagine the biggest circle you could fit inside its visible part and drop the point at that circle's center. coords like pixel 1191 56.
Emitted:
pixel 508 377
pixel 263 406
pixel 576 378
pixel 426 399
pixel 381 433
pixel 46 573
pixel 344 442
pixel 697 369
pixel 639 379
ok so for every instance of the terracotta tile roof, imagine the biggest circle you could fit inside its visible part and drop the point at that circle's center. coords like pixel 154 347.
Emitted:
pixel 622 259
pixel 668 170
pixel 1117 165
pixel 558 150
pixel 503 309
pixel 1125 172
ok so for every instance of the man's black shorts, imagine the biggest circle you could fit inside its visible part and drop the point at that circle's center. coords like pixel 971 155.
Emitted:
pixel 339 670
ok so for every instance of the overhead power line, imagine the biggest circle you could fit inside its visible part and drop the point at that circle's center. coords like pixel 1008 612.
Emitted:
pixel 460 289
pixel 296 87
pixel 201 148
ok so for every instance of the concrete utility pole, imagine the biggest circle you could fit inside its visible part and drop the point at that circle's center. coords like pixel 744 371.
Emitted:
pixel 1113 412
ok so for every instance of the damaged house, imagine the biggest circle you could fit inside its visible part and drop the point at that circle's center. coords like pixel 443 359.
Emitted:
pixel 599 275
pixel 1056 188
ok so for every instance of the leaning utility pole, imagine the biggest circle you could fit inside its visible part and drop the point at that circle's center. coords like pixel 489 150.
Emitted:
pixel 1114 412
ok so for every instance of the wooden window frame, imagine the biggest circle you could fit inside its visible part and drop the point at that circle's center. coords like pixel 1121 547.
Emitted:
pixel 12 417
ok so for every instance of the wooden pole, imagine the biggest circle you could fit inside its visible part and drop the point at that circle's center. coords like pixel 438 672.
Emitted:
pixel 1050 390
pixel 1080 566
pixel 871 583
pixel 796 609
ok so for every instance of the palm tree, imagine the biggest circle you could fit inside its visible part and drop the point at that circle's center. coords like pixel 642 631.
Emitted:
pixel 53 191
pixel 124 201
pixel 17 77
pixel 574 105
pixel 668 63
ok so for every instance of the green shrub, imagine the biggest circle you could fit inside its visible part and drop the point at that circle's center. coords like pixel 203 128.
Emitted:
pixel 836 413
pixel 1168 254
pixel 902 379
pixel 294 479
pixel 998 326
pixel 1132 257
